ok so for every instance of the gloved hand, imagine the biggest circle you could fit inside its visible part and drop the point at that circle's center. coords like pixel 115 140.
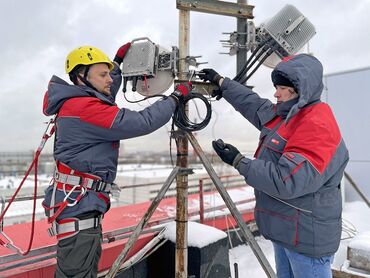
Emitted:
pixel 182 90
pixel 217 93
pixel 121 53
pixel 210 75
pixel 227 152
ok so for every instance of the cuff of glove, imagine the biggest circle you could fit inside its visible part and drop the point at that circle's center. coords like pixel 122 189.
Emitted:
pixel 216 79
pixel 176 97
pixel 220 81
pixel 118 60
pixel 237 160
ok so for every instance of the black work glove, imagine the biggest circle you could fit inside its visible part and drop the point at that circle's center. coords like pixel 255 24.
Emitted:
pixel 121 53
pixel 182 90
pixel 217 93
pixel 210 75
pixel 227 152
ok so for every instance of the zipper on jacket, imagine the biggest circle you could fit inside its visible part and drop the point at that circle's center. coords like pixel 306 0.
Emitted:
pixel 261 147
pixel 286 203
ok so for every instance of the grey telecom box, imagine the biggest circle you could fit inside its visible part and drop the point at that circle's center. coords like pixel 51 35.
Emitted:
pixel 140 59
pixel 290 29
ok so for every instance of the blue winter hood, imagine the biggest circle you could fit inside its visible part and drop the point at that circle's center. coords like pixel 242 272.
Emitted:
pixel 60 91
pixel 306 74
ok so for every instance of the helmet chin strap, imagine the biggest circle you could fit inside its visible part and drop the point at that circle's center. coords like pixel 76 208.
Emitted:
pixel 84 79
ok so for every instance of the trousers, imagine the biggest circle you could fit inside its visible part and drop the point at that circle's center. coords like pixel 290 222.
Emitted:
pixel 291 264
pixel 78 256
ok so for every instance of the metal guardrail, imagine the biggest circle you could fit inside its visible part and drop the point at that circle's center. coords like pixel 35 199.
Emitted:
pixel 196 185
pixel 41 254
pixel 230 181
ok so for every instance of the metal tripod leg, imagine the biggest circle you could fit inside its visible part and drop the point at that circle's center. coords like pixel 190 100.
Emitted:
pixel 231 206
pixel 135 234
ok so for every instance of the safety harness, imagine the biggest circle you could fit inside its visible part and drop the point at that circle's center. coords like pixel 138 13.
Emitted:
pixel 69 181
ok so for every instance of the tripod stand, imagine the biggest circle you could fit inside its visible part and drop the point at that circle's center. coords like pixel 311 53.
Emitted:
pixel 248 236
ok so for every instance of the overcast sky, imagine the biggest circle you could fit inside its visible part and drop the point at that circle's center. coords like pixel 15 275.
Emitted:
pixel 37 35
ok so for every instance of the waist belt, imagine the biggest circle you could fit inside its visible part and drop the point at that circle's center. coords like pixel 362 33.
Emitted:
pixel 69 181
pixel 71 226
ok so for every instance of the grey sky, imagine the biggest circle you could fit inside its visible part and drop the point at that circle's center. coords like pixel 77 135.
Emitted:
pixel 37 35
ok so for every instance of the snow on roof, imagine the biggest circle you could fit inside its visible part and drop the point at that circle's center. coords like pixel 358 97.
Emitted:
pixel 9 182
pixel 158 170
pixel 199 235
pixel 357 213
pixel 215 200
pixel 23 208
pixel 361 241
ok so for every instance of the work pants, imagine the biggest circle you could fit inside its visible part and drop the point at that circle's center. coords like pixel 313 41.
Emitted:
pixel 291 264
pixel 78 256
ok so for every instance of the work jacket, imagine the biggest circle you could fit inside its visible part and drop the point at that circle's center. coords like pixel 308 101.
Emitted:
pixel 89 128
pixel 299 162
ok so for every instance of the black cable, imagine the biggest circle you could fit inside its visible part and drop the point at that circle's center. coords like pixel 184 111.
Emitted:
pixel 140 100
pixel 172 137
pixel 244 69
pixel 263 51
pixel 267 54
pixel 181 120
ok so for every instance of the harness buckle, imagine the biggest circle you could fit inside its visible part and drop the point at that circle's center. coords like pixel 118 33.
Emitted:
pixel 101 186
pixel 52 231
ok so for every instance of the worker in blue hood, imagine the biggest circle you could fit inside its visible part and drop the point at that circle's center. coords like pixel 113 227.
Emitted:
pixel 89 127
pixel 298 165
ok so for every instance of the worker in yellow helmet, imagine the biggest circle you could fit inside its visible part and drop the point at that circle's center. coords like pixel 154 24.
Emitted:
pixel 89 128
pixel 79 60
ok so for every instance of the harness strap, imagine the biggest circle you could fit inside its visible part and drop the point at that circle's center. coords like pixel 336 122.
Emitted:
pixel 89 183
pixel 71 226
pixel 69 180
pixel 62 205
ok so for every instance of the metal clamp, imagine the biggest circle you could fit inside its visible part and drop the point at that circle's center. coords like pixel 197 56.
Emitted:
pixel 140 39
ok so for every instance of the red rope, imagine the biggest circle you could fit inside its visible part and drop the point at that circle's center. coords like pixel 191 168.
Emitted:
pixel 34 164
pixel 34 206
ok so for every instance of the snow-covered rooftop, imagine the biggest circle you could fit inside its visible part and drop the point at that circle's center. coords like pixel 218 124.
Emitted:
pixel 199 235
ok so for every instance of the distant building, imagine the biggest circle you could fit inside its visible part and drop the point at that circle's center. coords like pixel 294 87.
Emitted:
pixel 17 163
pixel 348 93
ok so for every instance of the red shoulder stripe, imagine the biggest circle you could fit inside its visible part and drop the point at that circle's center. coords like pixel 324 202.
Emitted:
pixel 271 124
pixel 45 104
pixel 316 135
pixel 91 110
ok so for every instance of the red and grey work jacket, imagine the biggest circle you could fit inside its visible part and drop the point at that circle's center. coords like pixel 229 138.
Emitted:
pixel 299 162
pixel 89 128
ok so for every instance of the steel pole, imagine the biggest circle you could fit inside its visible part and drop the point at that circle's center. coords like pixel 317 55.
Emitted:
pixel 358 190
pixel 241 28
pixel 232 208
pixel 139 228
pixel 201 202
pixel 181 266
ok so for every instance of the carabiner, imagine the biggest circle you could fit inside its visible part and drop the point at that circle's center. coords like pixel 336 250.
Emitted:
pixel 83 190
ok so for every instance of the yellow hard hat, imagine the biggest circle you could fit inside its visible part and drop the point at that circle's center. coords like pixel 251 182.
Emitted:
pixel 86 55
